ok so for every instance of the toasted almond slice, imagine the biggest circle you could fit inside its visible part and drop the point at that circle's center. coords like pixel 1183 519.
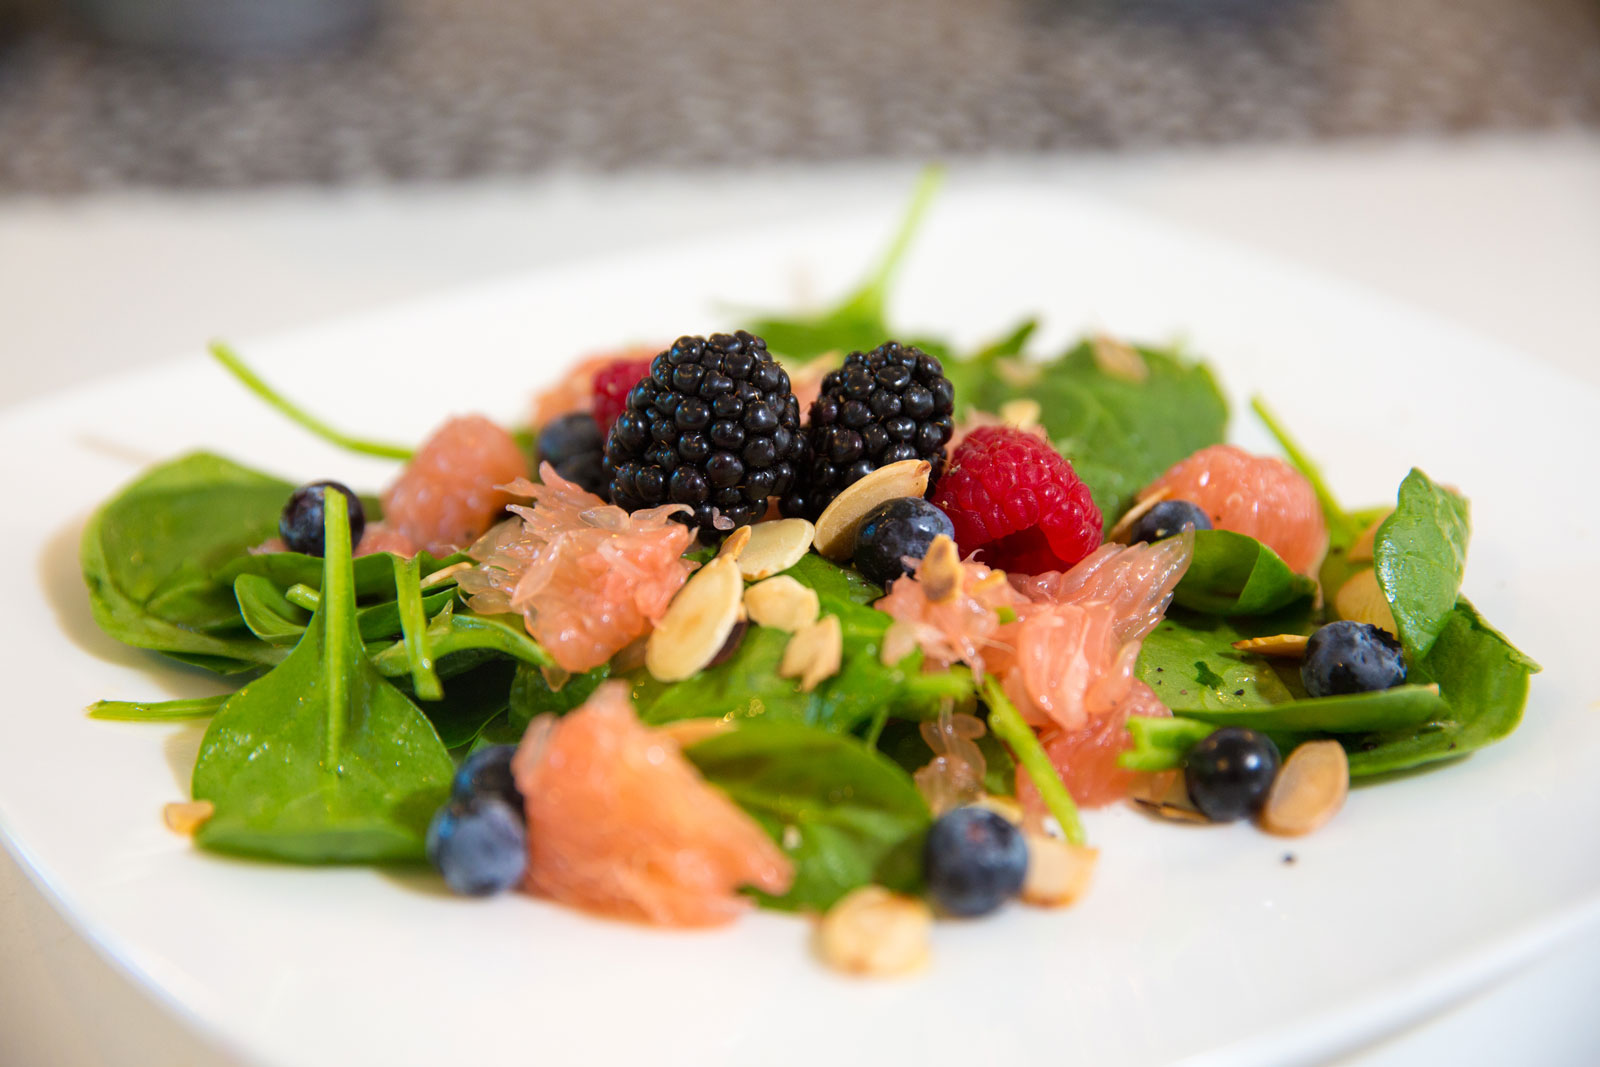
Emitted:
pixel 874 932
pixel 899 641
pixel 686 732
pixel 1018 372
pixel 1124 526
pixel 774 547
pixel 1005 807
pixel 1287 645
pixel 1361 599
pixel 1166 797
pixel 1309 790
pixel 839 521
pixel 697 622
pixel 1021 414
pixel 1058 873
pixel 814 653
pixel 186 816
pixel 941 575
pixel 1118 359
pixel 782 603
pixel 1360 550
pixel 734 544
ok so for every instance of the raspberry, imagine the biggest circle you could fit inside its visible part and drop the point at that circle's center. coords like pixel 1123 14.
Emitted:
pixel 611 385
pixel 1017 503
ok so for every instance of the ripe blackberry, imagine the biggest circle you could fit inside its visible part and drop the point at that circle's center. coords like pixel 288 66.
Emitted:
pixel 880 407
pixel 715 425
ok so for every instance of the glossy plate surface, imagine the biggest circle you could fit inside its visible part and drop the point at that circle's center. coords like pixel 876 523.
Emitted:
pixel 1196 944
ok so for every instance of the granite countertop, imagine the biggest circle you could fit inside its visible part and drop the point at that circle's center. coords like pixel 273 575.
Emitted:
pixel 451 88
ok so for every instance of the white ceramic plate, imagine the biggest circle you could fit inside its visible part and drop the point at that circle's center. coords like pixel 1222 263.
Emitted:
pixel 1199 944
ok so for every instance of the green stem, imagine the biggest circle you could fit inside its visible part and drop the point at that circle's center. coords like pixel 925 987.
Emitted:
pixel 1161 744
pixel 157 711
pixel 338 612
pixel 1338 519
pixel 303 596
pixel 414 628
pixel 1007 724
pixel 236 366
pixel 871 294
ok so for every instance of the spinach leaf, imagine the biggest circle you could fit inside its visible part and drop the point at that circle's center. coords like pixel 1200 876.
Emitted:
pixel 451 632
pixel 531 695
pixel 275 618
pixel 1234 574
pixel 470 701
pixel 843 813
pixel 902 742
pixel 1403 707
pixel 1190 662
pixel 1420 554
pixel 320 759
pixel 1120 433
pixel 978 379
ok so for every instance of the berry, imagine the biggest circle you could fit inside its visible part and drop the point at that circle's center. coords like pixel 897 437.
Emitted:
pixel 974 861
pixel 301 524
pixel 612 384
pixel 1230 773
pixel 487 773
pixel 1351 657
pixel 893 403
pixel 1168 519
pixel 479 845
pixel 576 448
pixel 1017 503
pixel 894 531
pixel 714 426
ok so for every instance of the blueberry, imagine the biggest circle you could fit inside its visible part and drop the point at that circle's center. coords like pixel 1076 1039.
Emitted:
pixel 1230 773
pixel 487 772
pixel 479 845
pixel 1167 519
pixel 1351 657
pixel 894 530
pixel 301 526
pixel 574 446
pixel 974 861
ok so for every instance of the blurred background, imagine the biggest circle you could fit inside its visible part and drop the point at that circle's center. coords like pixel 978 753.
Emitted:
pixel 175 169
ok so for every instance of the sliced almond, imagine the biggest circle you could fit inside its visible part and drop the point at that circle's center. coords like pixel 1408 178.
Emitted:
pixel 186 816
pixel 1361 599
pixel 941 574
pixel 1021 414
pixel 814 653
pixel 1058 873
pixel 782 603
pixel 686 732
pixel 697 622
pixel 1005 807
pixel 899 641
pixel 1124 526
pixel 1360 550
pixel 1118 359
pixel 1291 646
pixel 839 521
pixel 1166 797
pixel 1309 790
pixel 735 543
pixel 1017 372
pixel 774 547
pixel 874 932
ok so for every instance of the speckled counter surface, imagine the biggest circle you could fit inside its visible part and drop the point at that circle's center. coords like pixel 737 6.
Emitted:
pixel 451 88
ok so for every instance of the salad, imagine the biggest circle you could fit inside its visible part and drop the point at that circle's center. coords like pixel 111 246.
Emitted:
pixel 799 616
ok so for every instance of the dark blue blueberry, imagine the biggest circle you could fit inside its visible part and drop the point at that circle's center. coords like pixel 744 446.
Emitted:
pixel 1167 519
pixel 479 845
pixel 974 861
pixel 1230 773
pixel 1351 657
pixel 301 526
pixel 487 772
pixel 570 435
pixel 894 530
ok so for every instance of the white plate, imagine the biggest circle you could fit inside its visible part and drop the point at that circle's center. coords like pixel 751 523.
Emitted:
pixel 1196 943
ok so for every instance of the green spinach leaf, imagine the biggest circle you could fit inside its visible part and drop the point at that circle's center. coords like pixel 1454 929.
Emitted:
pixel 1420 554
pixel 531 695
pixel 1191 664
pixel 844 814
pixel 1234 574
pixel 320 759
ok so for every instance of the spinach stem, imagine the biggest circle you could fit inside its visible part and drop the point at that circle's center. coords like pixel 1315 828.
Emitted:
pixel 414 628
pixel 156 711
pixel 252 381
pixel 302 595
pixel 1344 527
pixel 1007 724
pixel 338 613
pixel 922 197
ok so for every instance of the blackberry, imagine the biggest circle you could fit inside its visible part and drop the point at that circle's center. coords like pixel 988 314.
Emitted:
pixel 880 407
pixel 715 426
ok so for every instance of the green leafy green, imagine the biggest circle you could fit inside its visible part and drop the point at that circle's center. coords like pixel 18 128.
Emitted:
pixel 451 632
pixel 320 759
pixel 414 630
pixel 158 711
pixel 902 741
pixel 1191 664
pixel 1400 708
pixel 532 695
pixel 281 617
pixel 843 813
pixel 1420 554
pixel 1234 574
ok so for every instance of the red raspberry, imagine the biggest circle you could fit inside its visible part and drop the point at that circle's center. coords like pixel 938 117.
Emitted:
pixel 611 386
pixel 1017 503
